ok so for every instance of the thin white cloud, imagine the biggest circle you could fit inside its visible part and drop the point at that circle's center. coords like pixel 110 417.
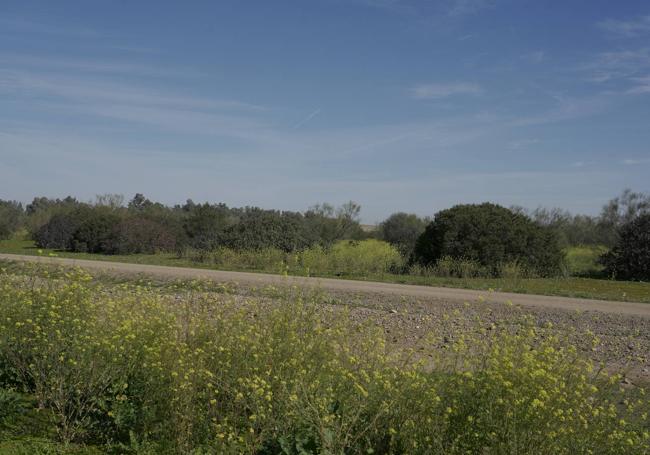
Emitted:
pixel 567 108
pixel 632 162
pixel 629 28
pixel 465 7
pixel 311 115
pixel 443 90
pixel 535 57
pixel 624 67
pixel 19 24
pixel 96 89
pixel 92 66
pixel 642 85
pixel 522 144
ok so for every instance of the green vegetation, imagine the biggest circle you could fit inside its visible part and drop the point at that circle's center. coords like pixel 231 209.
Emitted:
pixel 630 257
pixel 274 261
pixel 491 236
pixel 582 261
pixel 87 367
pixel 474 246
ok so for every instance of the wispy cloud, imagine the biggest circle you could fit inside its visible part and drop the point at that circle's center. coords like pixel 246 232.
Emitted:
pixel 311 115
pixel 534 57
pixel 642 85
pixel 93 66
pixel 522 144
pixel 463 7
pixel 629 28
pixel 632 162
pixel 85 90
pixel 19 24
pixel 443 90
pixel 622 66
pixel 567 108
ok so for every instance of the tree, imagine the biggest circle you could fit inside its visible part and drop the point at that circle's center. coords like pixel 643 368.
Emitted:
pixel 112 201
pixel 622 210
pixel 206 225
pixel 139 203
pixel 491 235
pixel 630 257
pixel 11 218
pixel 137 235
pixel 95 232
pixel 402 231
pixel 258 229
pixel 57 233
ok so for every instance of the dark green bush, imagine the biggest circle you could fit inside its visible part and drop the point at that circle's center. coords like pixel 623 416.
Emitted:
pixel 630 257
pixel 258 229
pixel 205 225
pixel 57 232
pixel 96 232
pixel 491 235
pixel 402 231
pixel 135 235
pixel 11 218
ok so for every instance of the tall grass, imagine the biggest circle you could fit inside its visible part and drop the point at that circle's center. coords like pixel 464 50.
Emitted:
pixel 344 258
pixel 128 369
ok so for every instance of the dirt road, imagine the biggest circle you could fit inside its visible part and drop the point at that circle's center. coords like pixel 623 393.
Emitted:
pixel 351 286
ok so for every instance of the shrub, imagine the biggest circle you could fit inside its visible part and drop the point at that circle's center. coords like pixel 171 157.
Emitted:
pixel 212 373
pixel 630 257
pixel 351 257
pixel 491 235
pixel 57 232
pixel 205 225
pixel 11 218
pixel 134 235
pixel 259 229
pixel 95 233
pixel 402 231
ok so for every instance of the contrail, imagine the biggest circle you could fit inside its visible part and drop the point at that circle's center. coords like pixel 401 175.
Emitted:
pixel 306 119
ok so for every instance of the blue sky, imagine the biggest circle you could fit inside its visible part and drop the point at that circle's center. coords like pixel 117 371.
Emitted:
pixel 398 105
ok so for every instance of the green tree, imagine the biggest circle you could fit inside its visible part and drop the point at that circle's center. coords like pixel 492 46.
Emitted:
pixel 491 235
pixel 11 218
pixel 630 257
pixel 402 231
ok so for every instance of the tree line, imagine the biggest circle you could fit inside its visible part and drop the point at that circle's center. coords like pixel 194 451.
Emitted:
pixel 486 233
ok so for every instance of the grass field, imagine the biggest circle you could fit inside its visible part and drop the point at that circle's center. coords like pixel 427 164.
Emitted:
pixel 581 261
pixel 89 366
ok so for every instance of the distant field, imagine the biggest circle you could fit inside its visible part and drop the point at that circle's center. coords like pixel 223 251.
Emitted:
pixel 581 262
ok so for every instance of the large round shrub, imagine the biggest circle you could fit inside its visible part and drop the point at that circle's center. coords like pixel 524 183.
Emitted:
pixel 491 235
pixel 57 233
pixel 630 257
pixel 96 233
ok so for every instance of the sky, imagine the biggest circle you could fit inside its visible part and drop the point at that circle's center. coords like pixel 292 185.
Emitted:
pixel 398 105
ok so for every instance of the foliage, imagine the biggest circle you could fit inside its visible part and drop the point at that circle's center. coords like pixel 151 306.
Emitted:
pixel 584 260
pixel 402 230
pixel 57 232
pixel 11 218
pixel 352 258
pixel 126 368
pixel 258 229
pixel 630 257
pixel 137 235
pixel 95 232
pixel 206 224
pixel 490 235
pixel 621 211
pixel 42 209
pixel 344 258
